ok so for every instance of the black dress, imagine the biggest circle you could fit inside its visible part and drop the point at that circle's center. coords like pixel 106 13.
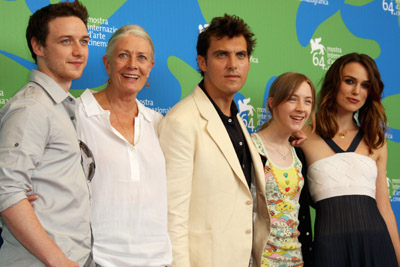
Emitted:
pixel 349 229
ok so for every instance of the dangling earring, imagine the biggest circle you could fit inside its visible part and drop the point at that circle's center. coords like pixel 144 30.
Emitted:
pixel 147 84
pixel 109 81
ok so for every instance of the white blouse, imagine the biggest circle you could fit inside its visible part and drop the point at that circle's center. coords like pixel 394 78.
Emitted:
pixel 128 190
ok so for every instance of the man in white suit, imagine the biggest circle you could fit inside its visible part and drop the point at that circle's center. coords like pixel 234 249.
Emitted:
pixel 211 161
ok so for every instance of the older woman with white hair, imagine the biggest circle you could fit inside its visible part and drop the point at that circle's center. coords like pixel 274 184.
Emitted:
pixel 129 202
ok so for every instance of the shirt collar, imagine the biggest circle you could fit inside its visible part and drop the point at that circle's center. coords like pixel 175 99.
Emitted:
pixel 143 111
pixel 49 85
pixel 234 109
pixel 93 108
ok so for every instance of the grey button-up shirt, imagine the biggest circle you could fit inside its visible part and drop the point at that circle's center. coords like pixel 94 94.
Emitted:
pixel 39 149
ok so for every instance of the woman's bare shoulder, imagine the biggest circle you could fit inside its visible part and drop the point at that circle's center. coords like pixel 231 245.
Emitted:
pixel 310 132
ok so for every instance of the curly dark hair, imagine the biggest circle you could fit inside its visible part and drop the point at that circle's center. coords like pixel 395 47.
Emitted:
pixel 38 25
pixel 228 25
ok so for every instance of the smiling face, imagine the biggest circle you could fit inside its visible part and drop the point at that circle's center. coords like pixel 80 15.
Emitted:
pixel 353 89
pixel 130 64
pixel 64 56
pixel 294 113
pixel 225 67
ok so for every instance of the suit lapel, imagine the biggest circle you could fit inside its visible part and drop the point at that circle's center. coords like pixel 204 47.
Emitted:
pixel 258 167
pixel 217 131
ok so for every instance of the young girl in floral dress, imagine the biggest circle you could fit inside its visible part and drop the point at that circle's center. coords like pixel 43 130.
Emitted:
pixel 291 103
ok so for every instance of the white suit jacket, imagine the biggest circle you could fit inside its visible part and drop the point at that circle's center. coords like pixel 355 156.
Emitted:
pixel 210 206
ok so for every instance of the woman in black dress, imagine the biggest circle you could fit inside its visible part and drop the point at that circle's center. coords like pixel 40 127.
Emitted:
pixel 346 158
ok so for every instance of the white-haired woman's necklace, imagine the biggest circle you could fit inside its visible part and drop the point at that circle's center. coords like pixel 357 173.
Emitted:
pixel 116 115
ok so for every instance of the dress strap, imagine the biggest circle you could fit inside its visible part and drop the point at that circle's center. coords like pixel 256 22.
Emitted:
pixel 353 146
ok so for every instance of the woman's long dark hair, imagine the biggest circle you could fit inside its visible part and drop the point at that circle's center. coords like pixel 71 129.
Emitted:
pixel 371 116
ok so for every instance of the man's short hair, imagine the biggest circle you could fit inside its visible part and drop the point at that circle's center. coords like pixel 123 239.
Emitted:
pixel 228 25
pixel 38 26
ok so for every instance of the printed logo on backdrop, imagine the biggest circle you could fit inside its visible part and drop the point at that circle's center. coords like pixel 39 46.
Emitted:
pixel 323 56
pixel 391 6
pixel 251 117
pixel 202 27
pixel 317 2
pixel 3 100
pixel 97 29
pixel 253 59
pixel 150 104
pixel 394 185
pixel 388 133
pixel 246 109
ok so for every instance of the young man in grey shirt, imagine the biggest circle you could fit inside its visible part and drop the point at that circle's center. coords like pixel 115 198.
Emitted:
pixel 40 151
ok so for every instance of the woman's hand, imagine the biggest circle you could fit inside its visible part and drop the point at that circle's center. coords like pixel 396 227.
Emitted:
pixel 298 138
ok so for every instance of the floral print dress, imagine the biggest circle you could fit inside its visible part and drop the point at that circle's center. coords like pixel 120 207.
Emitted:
pixel 283 187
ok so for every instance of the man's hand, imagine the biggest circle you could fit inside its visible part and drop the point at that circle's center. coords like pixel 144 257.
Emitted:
pixel 31 197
